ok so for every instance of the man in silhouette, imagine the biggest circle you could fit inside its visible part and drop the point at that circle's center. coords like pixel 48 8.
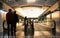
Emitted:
pixel 15 21
pixel 54 29
pixel 25 26
pixel 9 19
pixel 32 28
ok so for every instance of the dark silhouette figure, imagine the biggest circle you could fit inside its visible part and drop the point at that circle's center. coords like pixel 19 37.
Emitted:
pixel 54 29
pixel 32 28
pixel 15 21
pixel 29 27
pixel 25 26
pixel 9 19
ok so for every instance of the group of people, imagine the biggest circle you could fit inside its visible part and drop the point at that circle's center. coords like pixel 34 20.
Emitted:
pixel 28 27
pixel 12 19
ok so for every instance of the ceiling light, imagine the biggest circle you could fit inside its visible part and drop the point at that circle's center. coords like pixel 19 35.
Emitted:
pixel 31 1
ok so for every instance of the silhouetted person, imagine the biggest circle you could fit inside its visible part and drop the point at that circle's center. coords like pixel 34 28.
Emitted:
pixel 29 27
pixel 32 29
pixel 15 21
pixel 54 29
pixel 9 19
pixel 25 26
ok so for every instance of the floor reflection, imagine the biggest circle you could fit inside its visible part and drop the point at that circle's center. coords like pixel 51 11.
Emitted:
pixel 38 33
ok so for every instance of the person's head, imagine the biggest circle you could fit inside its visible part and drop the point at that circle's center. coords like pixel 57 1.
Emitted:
pixel 25 17
pixel 14 12
pixel 10 10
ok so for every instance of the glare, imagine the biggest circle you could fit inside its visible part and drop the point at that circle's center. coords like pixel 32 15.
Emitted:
pixel 31 1
pixel 30 12
pixel 17 24
pixel 1 11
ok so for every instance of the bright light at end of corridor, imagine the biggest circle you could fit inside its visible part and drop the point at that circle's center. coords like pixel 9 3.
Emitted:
pixel 31 1
pixel 30 12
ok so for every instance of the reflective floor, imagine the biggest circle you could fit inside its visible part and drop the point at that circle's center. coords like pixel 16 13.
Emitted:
pixel 39 32
pixel 41 10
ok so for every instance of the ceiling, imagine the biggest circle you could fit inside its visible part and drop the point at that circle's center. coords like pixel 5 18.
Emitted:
pixel 31 8
pixel 18 3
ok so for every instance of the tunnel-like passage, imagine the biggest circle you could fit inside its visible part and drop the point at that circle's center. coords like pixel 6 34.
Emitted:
pixel 44 13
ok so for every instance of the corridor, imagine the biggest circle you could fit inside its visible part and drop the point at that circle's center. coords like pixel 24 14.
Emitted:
pixel 45 15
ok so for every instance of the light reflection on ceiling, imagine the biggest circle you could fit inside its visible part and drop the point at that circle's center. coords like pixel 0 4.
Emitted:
pixel 31 12
pixel 31 1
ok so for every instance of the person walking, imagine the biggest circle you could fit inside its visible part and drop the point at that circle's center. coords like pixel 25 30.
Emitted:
pixel 9 19
pixel 25 26
pixel 15 21
pixel 54 29
pixel 32 29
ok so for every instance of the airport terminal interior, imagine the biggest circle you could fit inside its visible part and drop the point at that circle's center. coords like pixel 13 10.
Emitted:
pixel 44 13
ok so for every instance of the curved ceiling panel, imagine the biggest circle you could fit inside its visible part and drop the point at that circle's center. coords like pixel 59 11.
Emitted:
pixel 17 3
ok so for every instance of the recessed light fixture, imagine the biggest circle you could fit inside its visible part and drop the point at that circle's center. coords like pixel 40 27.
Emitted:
pixel 31 1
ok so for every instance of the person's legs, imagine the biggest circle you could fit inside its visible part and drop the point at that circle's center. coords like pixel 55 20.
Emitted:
pixel 32 33
pixel 15 30
pixel 11 29
pixel 25 33
pixel 8 29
